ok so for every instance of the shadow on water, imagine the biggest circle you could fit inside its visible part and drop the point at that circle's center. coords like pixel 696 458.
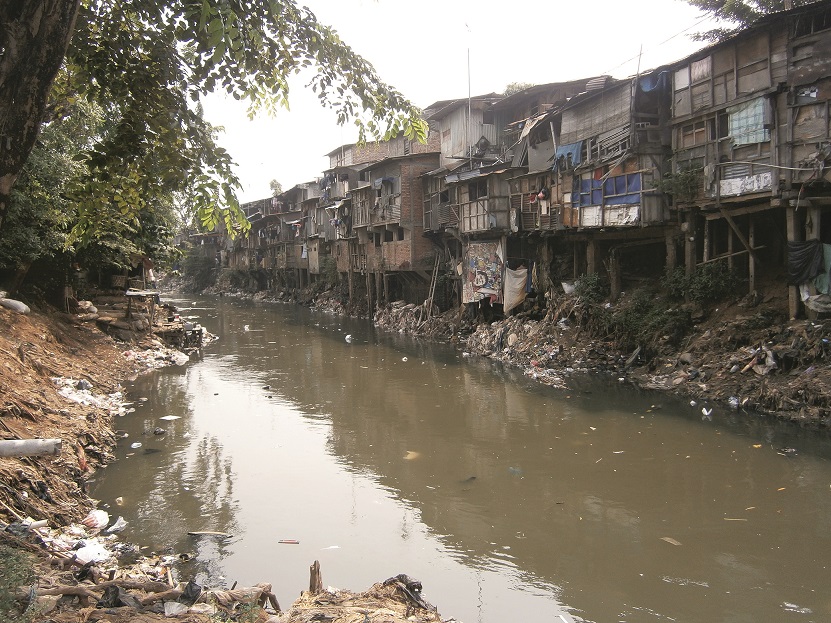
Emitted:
pixel 382 454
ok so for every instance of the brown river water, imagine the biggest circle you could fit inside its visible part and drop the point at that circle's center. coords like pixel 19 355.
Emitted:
pixel 509 501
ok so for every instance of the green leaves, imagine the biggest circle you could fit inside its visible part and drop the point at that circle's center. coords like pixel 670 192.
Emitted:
pixel 739 13
pixel 144 64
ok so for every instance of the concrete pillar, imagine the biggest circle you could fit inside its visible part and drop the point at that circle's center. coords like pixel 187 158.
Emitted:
pixel 689 243
pixel 707 242
pixel 378 292
pixel 369 293
pixel 672 259
pixel 615 277
pixel 751 263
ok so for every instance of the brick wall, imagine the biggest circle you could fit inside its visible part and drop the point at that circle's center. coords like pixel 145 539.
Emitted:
pixel 373 151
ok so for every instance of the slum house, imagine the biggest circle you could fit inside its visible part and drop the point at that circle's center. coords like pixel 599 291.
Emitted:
pixel 289 250
pixel 469 141
pixel 348 171
pixel 389 246
pixel 529 121
pixel 208 245
pixel 247 251
pixel 251 253
pixel 469 138
pixel 608 160
pixel 313 243
pixel 751 146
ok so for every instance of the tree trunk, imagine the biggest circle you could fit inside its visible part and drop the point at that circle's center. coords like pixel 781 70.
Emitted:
pixel 34 38
pixel 19 275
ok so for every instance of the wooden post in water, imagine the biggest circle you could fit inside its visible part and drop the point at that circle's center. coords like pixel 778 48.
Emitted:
pixel 315 579
pixel 369 293
pixel 379 298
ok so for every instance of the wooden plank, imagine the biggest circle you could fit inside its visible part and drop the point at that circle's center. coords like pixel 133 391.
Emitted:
pixel 739 233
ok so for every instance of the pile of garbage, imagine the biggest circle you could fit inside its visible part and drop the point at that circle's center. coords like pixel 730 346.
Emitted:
pixel 545 349
pixel 412 319
pixel 157 355
pixel 753 364
pixel 87 574
pixel 395 600
pixel 86 577
pixel 82 392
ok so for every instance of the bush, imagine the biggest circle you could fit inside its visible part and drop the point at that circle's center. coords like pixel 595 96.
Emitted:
pixel 15 571
pixel 709 283
pixel 590 288
pixel 645 320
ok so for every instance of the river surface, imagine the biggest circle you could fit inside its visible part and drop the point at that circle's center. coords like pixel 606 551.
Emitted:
pixel 509 501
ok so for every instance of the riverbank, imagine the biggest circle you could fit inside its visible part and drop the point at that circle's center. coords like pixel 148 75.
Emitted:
pixel 61 558
pixel 737 354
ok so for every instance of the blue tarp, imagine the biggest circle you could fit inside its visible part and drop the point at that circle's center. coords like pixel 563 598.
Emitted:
pixel 652 82
pixel 568 156
pixel 617 190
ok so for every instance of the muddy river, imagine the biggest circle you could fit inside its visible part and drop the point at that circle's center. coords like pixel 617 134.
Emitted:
pixel 379 455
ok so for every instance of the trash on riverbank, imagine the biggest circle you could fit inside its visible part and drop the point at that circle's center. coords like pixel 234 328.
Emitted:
pixel 395 600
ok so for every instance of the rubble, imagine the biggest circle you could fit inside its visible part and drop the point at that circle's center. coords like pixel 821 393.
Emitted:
pixel 759 363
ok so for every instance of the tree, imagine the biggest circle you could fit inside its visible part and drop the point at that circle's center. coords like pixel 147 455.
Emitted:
pixel 147 62
pixel 740 13
pixel 43 221
pixel 516 87
pixel 276 188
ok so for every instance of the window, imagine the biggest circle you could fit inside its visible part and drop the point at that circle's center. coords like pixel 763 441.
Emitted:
pixel 477 189
pixel 622 189
pixel 809 24
pixel 719 127
pixel 444 197
pixel 747 122
pixel 701 70
pixel 693 134
pixel 589 191
pixel 682 78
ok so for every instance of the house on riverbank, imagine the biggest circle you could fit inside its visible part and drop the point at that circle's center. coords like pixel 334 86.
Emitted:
pixel 718 157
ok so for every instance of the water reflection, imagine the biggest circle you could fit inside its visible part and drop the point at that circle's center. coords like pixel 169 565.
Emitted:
pixel 383 455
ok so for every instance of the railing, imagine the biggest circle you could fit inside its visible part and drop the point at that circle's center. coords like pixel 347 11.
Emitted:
pixel 386 214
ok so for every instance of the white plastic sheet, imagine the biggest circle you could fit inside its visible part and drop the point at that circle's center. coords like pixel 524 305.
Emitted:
pixel 515 281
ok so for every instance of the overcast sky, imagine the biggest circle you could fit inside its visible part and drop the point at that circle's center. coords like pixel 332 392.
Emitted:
pixel 421 48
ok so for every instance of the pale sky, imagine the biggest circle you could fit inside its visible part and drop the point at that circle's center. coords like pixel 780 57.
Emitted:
pixel 421 48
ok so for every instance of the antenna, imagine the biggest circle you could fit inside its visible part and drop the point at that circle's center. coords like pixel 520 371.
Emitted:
pixel 469 113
